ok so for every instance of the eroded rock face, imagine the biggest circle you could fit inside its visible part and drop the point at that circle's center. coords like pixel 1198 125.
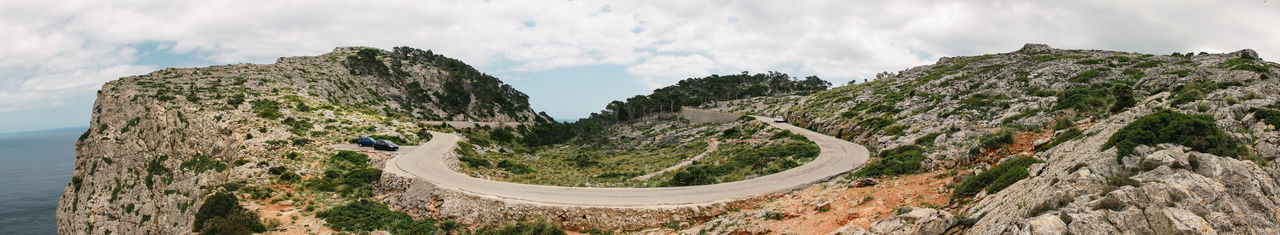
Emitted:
pixel 915 221
pixel 1173 190
pixel 159 143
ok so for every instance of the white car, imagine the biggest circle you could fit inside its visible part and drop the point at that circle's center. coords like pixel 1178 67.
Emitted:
pixel 779 119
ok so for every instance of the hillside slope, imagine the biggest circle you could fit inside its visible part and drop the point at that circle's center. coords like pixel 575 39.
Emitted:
pixel 160 143
pixel 1117 142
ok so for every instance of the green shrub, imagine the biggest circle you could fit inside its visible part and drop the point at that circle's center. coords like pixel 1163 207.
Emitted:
pixel 1268 116
pixel 221 213
pixel 1199 132
pixel 1148 64
pixel 1086 76
pixel 1085 99
pixel 522 228
pixel 269 109
pixel 996 140
pixel 514 167
pixel 366 215
pixel 202 163
pixel 897 161
pixel 996 178
pixel 1064 137
pixel 927 140
pixel 1180 73
pixel 1063 123
pixel 1195 90
pixel 474 161
pixel 355 159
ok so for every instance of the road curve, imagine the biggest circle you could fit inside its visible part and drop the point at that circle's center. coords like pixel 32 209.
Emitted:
pixel 427 162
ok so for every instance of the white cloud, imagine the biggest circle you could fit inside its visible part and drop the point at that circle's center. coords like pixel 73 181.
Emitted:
pixel 664 70
pixel 74 45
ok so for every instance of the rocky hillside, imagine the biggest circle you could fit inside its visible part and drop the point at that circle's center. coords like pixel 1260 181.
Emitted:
pixel 1045 140
pixel 161 143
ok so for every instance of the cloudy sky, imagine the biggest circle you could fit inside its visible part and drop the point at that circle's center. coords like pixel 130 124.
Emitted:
pixel 572 57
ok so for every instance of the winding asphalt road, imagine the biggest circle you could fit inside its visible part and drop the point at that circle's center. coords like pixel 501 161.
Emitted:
pixel 426 162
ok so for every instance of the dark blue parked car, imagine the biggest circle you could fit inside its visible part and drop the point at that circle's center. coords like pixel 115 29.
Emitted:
pixel 386 145
pixel 366 141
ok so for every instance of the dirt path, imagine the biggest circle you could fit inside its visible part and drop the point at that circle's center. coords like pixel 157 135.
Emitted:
pixel 712 146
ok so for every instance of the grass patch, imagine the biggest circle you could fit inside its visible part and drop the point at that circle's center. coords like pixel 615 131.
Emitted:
pixel 1268 116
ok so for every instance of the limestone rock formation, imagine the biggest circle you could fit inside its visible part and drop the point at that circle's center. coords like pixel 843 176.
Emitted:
pixel 160 143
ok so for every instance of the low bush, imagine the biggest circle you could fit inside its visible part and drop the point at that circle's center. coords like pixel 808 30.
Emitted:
pixel 366 215
pixel 474 161
pixel 1268 116
pixel 996 140
pixel 1084 99
pixel 514 167
pixel 1199 132
pixel 539 227
pixel 1086 76
pixel 927 140
pixel 997 178
pixel 221 213
pixel 897 161
pixel 1064 137
pixel 269 109
pixel 202 163
pixel 351 159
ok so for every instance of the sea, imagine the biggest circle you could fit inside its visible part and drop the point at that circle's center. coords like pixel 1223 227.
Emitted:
pixel 35 166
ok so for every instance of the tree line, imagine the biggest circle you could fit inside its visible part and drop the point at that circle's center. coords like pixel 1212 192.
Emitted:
pixel 688 92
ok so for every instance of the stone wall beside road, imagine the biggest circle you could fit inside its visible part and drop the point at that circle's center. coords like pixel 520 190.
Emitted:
pixel 696 115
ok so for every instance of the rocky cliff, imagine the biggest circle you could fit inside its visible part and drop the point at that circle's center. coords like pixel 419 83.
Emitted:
pixel 1050 141
pixel 160 143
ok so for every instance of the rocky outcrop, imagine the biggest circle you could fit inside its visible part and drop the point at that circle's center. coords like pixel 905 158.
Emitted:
pixel 914 220
pixel 160 143
pixel 954 107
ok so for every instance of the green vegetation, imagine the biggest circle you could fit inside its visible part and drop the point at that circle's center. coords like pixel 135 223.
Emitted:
pixel 221 213
pixel 897 161
pixel 1199 132
pixel 366 62
pixel 996 140
pixel 1197 90
pixel 523 228
pixel 688 92
pixel 997 178
pixel 927 140
pixel 365 215
pixel 1084 99
pixel 1086 76
pixel 1148 64
pixel 1064 137
pixel 347 173
pixel 202 163
pixel 269 109
pixel 1268 116
pixel 739 163
pixel 463 85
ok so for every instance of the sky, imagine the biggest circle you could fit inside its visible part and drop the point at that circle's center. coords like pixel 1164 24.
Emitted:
pixel 573 57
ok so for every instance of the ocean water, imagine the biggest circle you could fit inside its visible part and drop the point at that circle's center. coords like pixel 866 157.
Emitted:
pixel 34 168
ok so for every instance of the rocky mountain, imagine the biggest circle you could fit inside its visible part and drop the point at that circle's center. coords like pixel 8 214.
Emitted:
pixel 1051 141
pixel 160 143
